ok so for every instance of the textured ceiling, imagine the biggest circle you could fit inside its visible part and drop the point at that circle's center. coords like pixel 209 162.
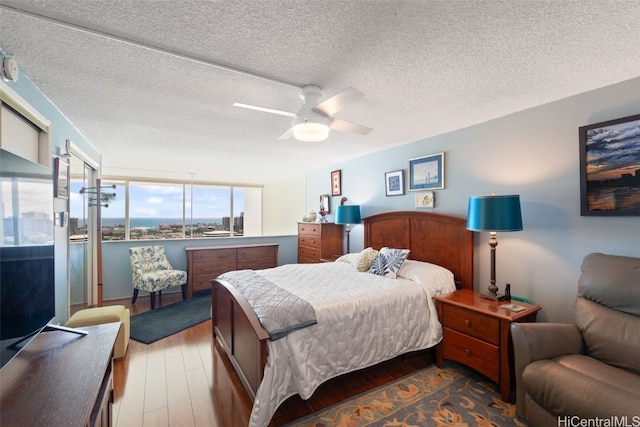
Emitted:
pixel 425 67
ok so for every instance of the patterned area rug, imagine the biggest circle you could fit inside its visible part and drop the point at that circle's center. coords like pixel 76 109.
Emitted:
pixel 452 396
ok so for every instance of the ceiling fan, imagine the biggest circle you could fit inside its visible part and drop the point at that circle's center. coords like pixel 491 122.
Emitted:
pixel 314 119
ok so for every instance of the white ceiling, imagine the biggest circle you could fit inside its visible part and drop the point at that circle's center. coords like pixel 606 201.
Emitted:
pixel 425 67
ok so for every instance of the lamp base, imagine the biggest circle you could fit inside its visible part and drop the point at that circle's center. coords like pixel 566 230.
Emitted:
pixel 494 297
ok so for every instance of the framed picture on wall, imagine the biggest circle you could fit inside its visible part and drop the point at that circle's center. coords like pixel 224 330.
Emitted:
pixel 610 167
pixel 424 200
pixel 60 179
pixel 426 172
pixel 394 183
pixel 336 183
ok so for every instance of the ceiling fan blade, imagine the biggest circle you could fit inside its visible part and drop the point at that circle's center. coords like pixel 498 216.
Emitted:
pixel 345 126
pixel 288 134
pixel 264 109
pixel 337 102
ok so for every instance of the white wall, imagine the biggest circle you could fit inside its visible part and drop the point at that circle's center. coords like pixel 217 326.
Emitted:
pixel 533 153
pixel 283 206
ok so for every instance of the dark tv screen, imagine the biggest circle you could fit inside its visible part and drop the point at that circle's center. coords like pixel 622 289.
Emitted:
pixel 27 275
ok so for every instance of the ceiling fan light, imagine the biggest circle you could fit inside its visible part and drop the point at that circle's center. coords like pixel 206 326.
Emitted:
pixel 310 131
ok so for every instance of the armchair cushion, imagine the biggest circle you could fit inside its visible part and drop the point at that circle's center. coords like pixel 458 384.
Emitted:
pixel 578 384
pixel 612 281
pixel 610 336
pixel 151 270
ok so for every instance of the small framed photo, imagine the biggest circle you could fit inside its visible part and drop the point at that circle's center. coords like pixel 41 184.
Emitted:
pixel 394 183
pixel 424 200
pixel 426 172
pixel 610 168
pixel 336 183
pixel 60 179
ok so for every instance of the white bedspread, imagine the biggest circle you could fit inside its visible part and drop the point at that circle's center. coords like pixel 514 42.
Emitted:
pixel 363 319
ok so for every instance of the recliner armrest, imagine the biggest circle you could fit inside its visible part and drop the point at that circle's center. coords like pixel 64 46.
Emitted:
pixel 536 341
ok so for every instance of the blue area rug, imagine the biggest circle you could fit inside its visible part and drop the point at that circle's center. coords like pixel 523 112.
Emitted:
pixel 164 321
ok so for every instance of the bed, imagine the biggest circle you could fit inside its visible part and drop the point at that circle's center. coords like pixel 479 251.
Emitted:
pixel 273 370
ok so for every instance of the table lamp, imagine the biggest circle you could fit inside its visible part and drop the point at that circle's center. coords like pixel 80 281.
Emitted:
pixel 348 215
pixel 494 213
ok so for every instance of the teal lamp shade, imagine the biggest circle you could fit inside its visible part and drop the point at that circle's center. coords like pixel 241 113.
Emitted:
pixel 348 214
pixel 494 213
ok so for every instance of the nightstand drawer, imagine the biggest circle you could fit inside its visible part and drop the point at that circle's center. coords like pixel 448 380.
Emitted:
pixel 472 323
pixel 474 353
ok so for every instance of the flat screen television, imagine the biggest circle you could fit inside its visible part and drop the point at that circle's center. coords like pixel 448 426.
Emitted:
pixel 27 275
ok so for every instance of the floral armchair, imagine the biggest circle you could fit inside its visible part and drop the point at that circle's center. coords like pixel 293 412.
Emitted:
pixel 152 272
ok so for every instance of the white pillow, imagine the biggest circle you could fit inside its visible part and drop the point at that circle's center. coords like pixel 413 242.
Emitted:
pixel 388 262
pixel 423 272
pixel 350 258
pixel 361 260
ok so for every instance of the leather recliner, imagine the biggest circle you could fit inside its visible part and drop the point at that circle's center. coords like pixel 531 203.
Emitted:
pixel 566 373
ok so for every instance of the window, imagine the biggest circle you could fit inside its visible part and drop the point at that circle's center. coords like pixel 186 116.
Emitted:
pixel 160 210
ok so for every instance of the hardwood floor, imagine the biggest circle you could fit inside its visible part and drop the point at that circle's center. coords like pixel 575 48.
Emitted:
pixel 187 380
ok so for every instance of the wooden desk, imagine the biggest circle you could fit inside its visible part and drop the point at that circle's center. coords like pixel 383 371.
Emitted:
pixel 61 379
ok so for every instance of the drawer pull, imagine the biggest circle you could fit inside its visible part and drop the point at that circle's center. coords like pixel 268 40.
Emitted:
pixel 467 322
pixel 467 352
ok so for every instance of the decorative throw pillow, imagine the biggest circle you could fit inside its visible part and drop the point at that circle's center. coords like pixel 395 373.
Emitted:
pixel 388 262
pixel 366 258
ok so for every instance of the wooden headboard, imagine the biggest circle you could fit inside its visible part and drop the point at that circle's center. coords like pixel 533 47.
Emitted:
pixel 439 239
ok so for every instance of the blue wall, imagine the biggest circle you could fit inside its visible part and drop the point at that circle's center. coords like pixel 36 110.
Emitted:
pixel 533 153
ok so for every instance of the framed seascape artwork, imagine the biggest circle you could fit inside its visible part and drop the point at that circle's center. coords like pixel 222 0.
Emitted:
pixel 394 183
pixel 336 183
pixel 610 167
pixel 60 179
pixel 426 172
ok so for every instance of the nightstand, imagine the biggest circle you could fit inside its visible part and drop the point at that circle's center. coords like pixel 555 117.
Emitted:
pixel 476 334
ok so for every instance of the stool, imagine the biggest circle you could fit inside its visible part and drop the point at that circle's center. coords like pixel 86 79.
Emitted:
pixel 108 314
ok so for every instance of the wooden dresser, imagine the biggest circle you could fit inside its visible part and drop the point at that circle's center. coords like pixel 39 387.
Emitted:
pixel 476 333
pixel 61 379
pixel 205 263
pixel 318 241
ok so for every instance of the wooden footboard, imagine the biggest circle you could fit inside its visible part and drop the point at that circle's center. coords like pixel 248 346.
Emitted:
pixel 239 332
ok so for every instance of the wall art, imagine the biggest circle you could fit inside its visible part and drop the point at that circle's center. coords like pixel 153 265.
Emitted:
pixel 394 183
pixel 610 167
pixel 426 172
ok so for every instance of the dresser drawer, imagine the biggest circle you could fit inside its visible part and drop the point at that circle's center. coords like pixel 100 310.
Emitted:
pixel 309 228
pixel 202 282
pixel 310 241
pixel 214 255
pixel 214 267
pixel 255 263
pixel 472 323
pixel 476 354
pixel 305 252
pixel 256 252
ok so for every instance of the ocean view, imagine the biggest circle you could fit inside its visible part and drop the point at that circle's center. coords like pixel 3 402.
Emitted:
pixel 156 222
